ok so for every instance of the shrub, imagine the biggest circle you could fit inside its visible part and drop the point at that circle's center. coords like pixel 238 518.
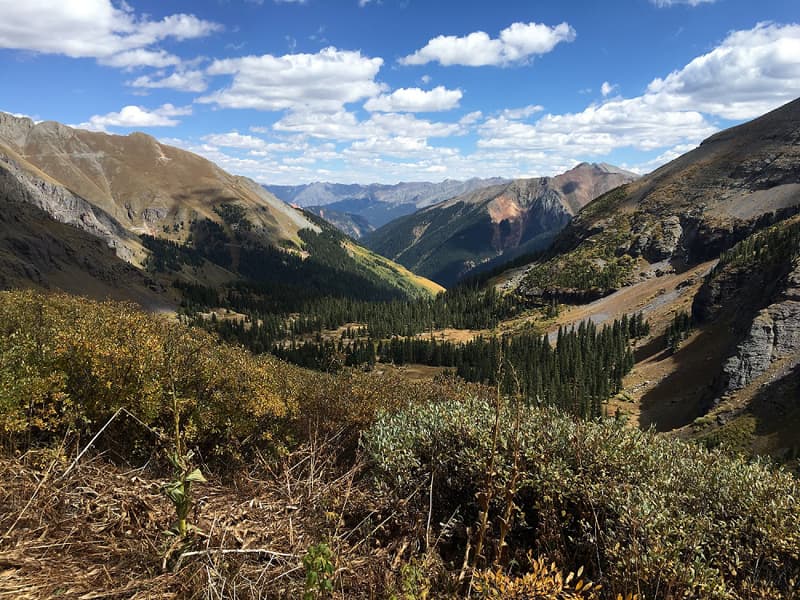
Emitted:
pixel 643 513
pixel 70 364
pixel 544 581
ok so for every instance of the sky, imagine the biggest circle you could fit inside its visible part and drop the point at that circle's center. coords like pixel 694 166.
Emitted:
pixel 361 91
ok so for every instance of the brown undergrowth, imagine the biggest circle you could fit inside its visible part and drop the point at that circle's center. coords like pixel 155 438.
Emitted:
pixel 98 531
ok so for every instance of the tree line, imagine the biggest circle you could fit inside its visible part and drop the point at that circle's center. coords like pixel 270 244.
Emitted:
pixel 577 373
pixel 460 308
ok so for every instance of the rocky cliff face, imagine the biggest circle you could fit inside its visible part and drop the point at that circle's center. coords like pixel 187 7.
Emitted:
pixel 658 241
pixel 38 251
pixel 773 336
pixel 65 207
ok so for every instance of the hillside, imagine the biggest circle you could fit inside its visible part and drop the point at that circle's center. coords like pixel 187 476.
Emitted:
pixel 37 251
pixel 145 186
pixel 695 238
pixel 446 240
pixel 687 211
pixel 377 203
pixel 178 216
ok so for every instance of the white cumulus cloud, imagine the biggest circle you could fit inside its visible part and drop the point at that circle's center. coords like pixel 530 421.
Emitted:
pixel 415 100
pixel 607 88
pixel 183 81
pixel 749 73
pixel 138 117
pixel 516 43
pixel 345 125
pixel 234 139
pixel 324 81
pixel 95 29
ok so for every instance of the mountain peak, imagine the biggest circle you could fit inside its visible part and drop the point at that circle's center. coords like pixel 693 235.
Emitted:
pixel 449 238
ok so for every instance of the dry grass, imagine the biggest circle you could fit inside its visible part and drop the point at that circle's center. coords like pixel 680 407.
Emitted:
pixel 98 532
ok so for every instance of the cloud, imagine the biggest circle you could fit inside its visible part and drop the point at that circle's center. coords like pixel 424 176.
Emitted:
pixel 140 58
pixel 399 146
pixel 670 3
pixel 748 74
pixel 661 159
pixel 415 100
pixel 598 129
pixel 324 81
pixel 516 44
pixel 234 139
pixel 470 118
pixel 522 113
pixel 95 29
pixel 607 88
pixel 253 145
pixel 344 126
pixel 138 117
pixel 183 81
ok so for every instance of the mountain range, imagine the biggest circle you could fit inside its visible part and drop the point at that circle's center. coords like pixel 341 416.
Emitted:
pixel 148 201
pixel 709 244
pixel 496 223
pixel 376 204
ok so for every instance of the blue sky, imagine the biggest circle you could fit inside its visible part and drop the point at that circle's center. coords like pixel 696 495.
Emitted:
pixel 295 91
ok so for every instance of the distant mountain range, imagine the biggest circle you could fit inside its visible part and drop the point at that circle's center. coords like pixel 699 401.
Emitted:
pixel 168 213
pixel 498 222
pixel 376 203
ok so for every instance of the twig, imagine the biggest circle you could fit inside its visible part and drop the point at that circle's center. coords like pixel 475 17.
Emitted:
pixel 89 445
pixel 430 512
pixel 271 553
pixel 35 492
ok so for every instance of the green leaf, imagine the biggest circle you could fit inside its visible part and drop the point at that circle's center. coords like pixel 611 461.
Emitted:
pixel 196 476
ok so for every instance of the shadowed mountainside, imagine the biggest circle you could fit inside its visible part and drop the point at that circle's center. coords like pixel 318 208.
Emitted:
pixel 446 240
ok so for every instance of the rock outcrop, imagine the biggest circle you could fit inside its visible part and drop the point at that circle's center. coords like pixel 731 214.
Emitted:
pixel 773 336
pixel 64 206
pixel 659 241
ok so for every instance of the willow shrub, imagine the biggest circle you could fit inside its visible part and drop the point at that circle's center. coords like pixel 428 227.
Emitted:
pixel 67 363
pixel 643 513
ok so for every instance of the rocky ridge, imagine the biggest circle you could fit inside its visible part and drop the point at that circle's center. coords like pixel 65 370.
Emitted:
pixel 446 240
pixel 120 186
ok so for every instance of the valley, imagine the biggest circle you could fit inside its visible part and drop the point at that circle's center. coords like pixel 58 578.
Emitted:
pixel 399 300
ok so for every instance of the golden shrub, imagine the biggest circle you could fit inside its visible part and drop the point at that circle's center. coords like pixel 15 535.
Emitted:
pixel 544 581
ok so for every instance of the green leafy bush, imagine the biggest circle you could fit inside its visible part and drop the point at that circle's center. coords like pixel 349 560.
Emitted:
pixel 642 513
